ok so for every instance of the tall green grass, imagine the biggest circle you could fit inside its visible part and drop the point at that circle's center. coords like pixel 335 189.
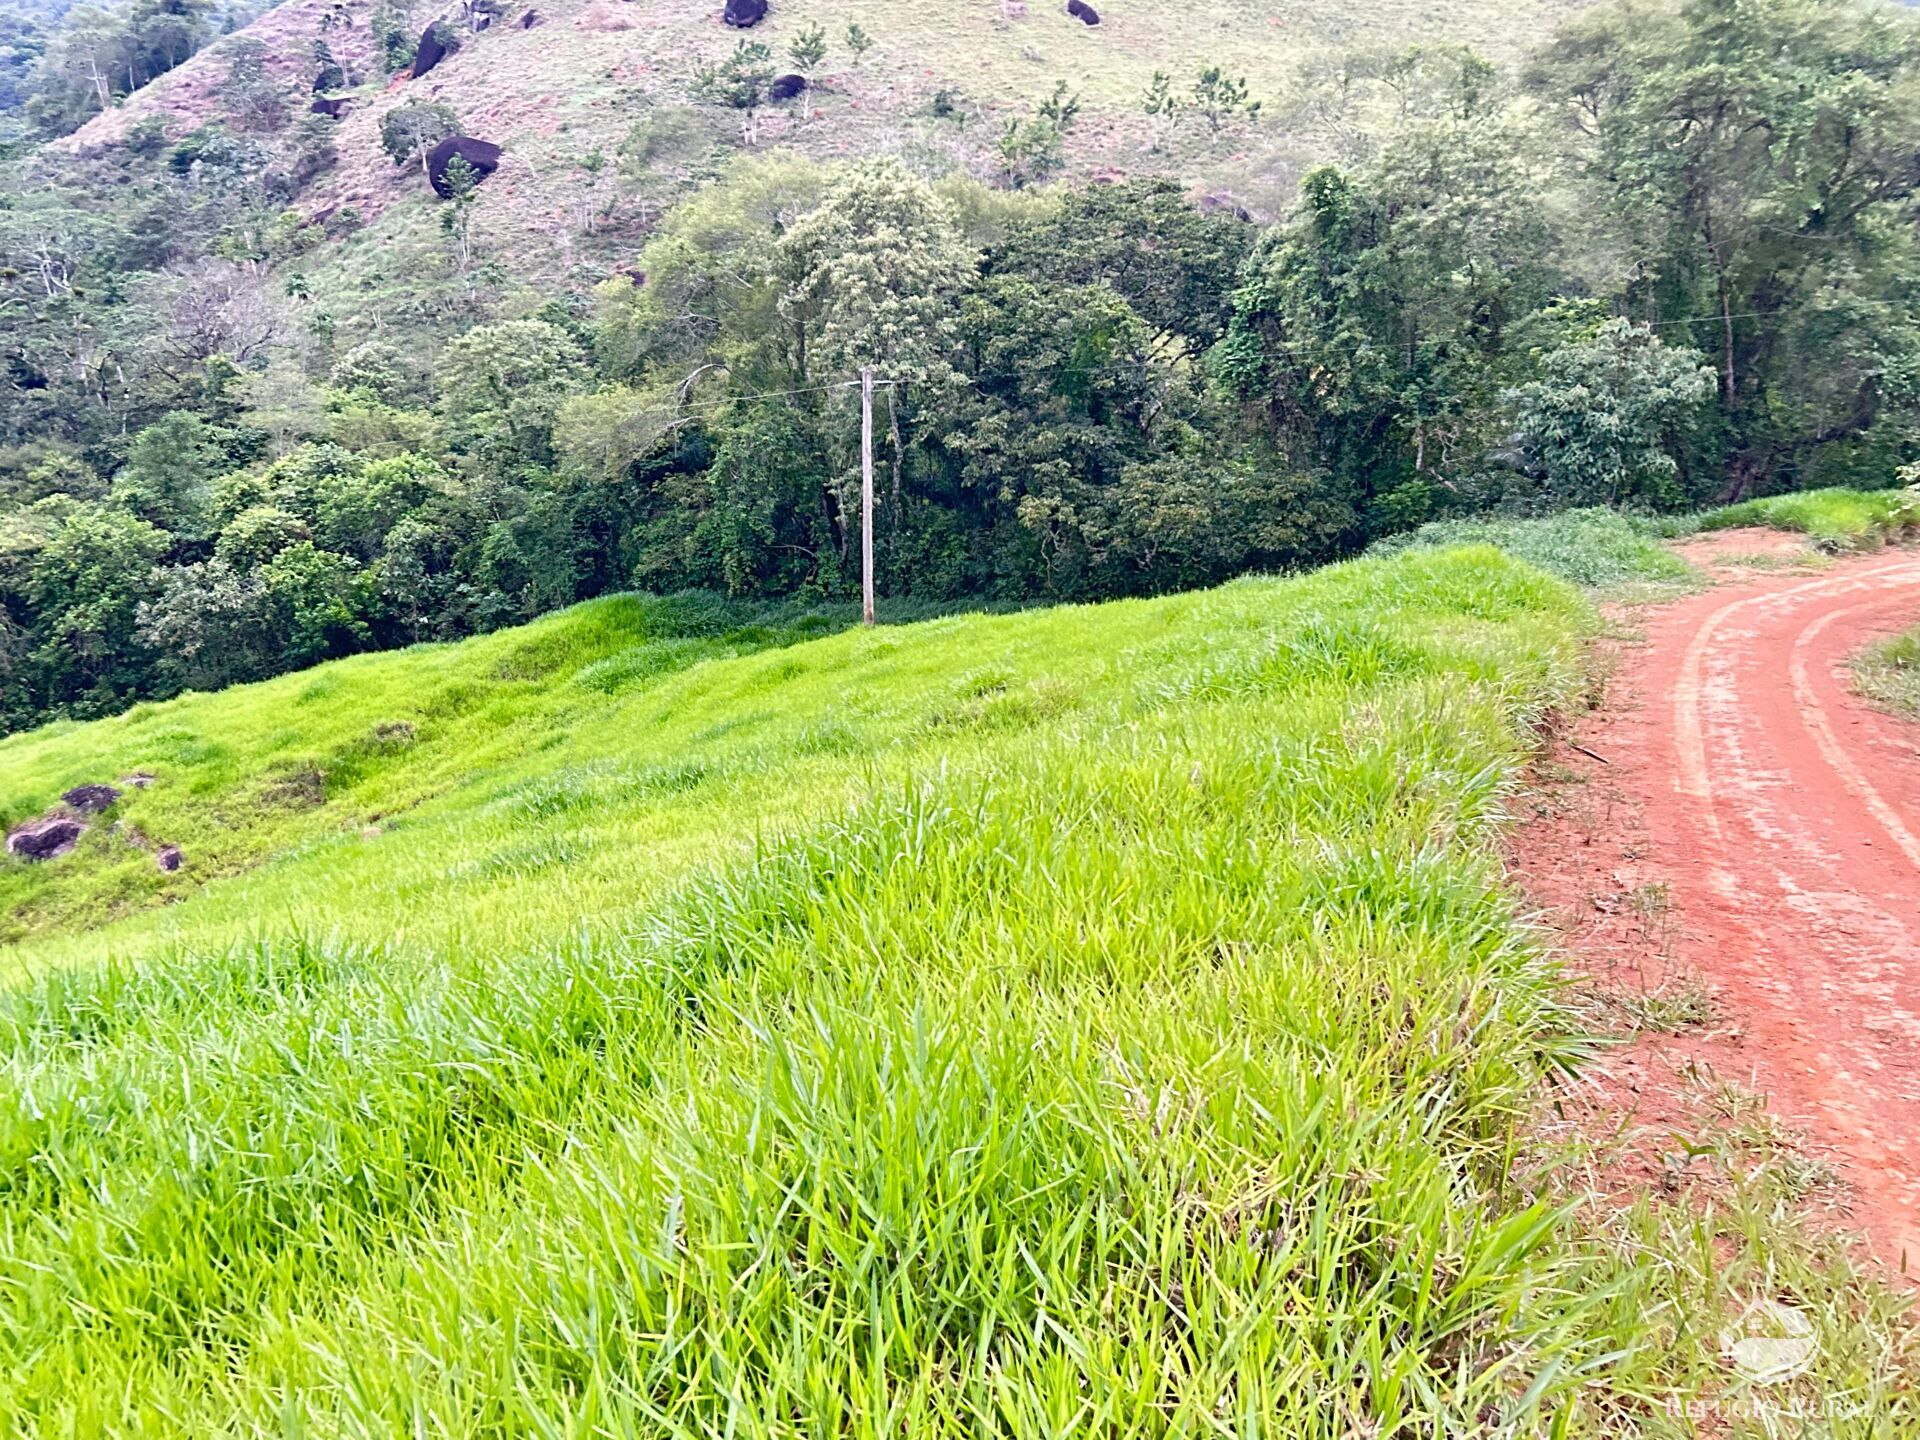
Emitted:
pixel 1596 548
pixel 1102 1021
pixel 1834 519
pixel 1888 673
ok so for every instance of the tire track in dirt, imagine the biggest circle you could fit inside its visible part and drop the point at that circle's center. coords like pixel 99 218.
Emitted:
pixel 1780 812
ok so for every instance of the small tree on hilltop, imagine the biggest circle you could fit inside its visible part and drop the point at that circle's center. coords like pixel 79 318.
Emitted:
pixel 740 81
pixel 859 42
pixel 461 182
pixel 807 53
pixel 1216 97
pixel 1033 148
pixel 1219 97
pixel 410 131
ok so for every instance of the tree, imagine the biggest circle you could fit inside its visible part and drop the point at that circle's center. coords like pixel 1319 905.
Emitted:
pixel 858 41
pixel 328 73
pixel 250 95
pixel 169 474
pixel 408 132
pixel 1218 97
pixel 1751 167
pixel 1176 266
pixel 501 389
pixel 1034 147
pixel 1378 326
pixel 394 40
pixel 460 182
pixel 809 50
pixel 870 276
pixel 1603 421
pixel 870 280
pixel 86 586
pixel 740 81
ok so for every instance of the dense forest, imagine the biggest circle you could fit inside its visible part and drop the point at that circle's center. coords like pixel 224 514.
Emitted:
pixel 1671 258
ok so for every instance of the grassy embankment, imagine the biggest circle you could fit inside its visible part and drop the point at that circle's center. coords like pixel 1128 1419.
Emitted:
pixel 1831 519
pixel 1106 1020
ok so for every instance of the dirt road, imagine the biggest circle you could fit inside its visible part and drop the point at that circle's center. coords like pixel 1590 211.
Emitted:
pixel 1781 815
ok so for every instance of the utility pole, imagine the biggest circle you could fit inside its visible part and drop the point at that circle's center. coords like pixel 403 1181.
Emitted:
pixel 866 495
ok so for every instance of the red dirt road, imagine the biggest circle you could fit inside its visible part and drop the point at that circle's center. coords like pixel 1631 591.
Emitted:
pixel 1784 815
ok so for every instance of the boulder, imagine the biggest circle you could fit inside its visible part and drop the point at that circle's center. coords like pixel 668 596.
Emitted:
pixel 332 109
pixel 1083 12
pixel 745 14
pixel 482 155
pixel 168 857
pixel 431 52
pixel 528 20
pixel 46 838
pixel 1220 204
pixel 787 87
pixel 91 799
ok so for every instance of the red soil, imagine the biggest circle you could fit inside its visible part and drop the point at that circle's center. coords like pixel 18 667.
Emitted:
pixel 1782 817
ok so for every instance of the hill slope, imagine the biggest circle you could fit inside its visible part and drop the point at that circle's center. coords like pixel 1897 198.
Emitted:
pixel 1004 974
pixel 1113 1012
pixel 573 87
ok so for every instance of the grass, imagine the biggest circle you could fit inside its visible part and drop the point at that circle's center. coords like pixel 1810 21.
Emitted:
pixel 1099 1021
pixel 1889 674
pixel 1595 548
pixel 1833 519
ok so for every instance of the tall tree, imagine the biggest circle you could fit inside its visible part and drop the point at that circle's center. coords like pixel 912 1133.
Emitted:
pixel 1375 330
pixel 1753 166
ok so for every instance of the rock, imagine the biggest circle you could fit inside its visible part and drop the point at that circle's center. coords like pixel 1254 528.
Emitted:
pixel 91 799
pixel 332 109
pixel 140 779
pixel 1218 204
pixel 169 858
pixel 786 87
pixel 1083 12
pixel 482 155
pixel 431 52
pixel 528 20
pixel 46 838
pixel 745 14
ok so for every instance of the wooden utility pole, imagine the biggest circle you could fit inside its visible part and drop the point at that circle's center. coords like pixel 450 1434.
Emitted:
pixel 866 495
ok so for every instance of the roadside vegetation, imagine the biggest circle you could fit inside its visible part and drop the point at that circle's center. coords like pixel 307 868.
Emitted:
pixel 1889 674
pixel 1109 1018
pixel 1594 548
pixel 1834 519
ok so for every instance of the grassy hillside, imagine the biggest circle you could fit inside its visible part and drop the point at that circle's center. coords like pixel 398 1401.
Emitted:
pixel 1105 1020
pixel 563 97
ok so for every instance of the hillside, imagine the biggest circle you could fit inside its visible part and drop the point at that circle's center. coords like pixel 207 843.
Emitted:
pixel 576 84
pixel 961 1024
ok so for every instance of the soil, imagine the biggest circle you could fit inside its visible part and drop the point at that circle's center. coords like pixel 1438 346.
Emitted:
pixel 1733 817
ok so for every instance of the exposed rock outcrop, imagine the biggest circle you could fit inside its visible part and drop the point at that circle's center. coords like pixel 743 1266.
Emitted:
pixel 91 799
pixel 482 155
pixel 47 838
